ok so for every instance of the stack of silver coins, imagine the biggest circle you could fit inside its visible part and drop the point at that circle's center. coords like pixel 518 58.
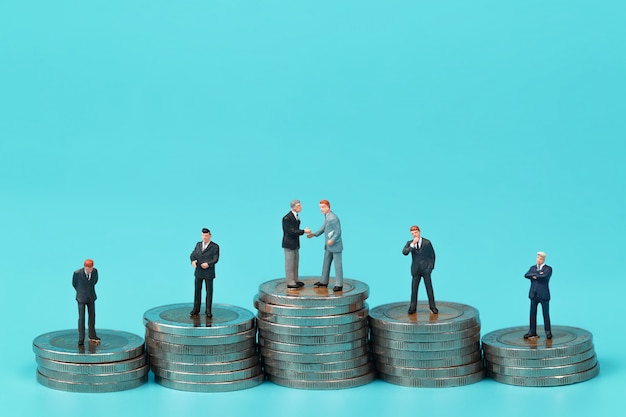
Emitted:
pixel 118 363
pixel 567 358
pixel 314 338
pixel 424 349
pixel 203 354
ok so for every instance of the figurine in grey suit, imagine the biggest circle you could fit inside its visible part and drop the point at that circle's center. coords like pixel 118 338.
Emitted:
pixel 539 276
pixel 423 263
pixel 84 281
pixel 203 258
pixel 333 246
pixel 291 244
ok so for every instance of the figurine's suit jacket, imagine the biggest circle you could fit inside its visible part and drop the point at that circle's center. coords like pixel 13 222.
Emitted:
pixel 539 287
pixel 423 257
pixel 332 231
pixel 210 255
pixel 291 231
pixel 85 289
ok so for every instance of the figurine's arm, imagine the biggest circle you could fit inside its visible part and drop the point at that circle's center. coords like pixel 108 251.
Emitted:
pixel 75 280
pixel 407 248
pixel 213 255
pixel 532 273
pixel 544 275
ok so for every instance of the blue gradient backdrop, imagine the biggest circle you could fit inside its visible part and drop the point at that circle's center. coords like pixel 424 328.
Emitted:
pixel 497 126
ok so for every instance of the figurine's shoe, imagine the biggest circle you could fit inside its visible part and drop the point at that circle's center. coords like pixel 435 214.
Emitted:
pixel 337 288
pixel 319 284
pixel 81 342
pixel 530 336
pixel 208 314
pixel 95 340
pixel 194 313
pixel 549 335
pixel 300 284
pixel 294 287
pixel 434 310
pixel 411 310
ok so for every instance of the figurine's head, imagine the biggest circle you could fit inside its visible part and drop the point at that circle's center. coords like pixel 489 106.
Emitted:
pixel 415 231
pixel 206 235
pixel 324 206
pixel 296 206
pixel 541 258
pixel 88 264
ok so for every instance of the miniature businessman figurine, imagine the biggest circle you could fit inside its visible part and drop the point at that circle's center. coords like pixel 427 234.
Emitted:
pixel 291 244
pixel 84 282
pixel 203 258
pixel 539 276
pixel 331 228
pixel 422 265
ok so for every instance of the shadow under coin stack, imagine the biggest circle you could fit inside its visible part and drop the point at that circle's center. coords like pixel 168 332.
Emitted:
pixel 203 354
pixel 314 338
pixel 427 350
pixel 118 363
pixel 567 358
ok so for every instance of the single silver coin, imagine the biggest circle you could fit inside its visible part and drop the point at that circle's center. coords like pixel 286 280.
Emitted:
pixel 304 311
pixel 432 363
pixel 315 340
pixel 95 378
pixel 202 359
pixel 543 372
pixel 452 317
pixel 423 355
pixel 547 381
pixel 454 381
pixel 90 388
pixel 313 357
pixel 360 315
pixel 541 363
pixel 324 385
pixel 204 367
pixel 310 330
pixel 276 292
pixel 431 373
pixel 335 347
pixel 175 319
pixel 209 377
pixel 211 386
pixel 428 346
pixel 320 376
pixel 93 368
pixel 427 337
pixel 318 367
pixel 202 340
pixel 510 343
pixel 154 345
pixel 63 346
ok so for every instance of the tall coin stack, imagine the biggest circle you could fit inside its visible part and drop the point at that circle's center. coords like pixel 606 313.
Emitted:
pixel 203 354
pixel 118 363
pixel 567 358
pixel 314 338
pixel 424 349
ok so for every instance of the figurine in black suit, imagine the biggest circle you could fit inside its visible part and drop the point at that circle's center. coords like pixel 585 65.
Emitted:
pixel 423 255
pixel 291 244
pixel 539 276
pixel 203 258
pixel 84 281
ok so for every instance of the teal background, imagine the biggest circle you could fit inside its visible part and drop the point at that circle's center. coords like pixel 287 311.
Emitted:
pixel 127 126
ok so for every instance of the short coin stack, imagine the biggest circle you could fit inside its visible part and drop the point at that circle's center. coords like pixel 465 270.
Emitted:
pixel 424 349
pixel 203 354
pixel 314 338
pixel 567 358
pixel 118 363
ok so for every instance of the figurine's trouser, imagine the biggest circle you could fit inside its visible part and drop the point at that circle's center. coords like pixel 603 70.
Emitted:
pixel 198 293
pixel 292 258
pixel 329 257
pixel 429 289
pixel 91 320
pixel 545 306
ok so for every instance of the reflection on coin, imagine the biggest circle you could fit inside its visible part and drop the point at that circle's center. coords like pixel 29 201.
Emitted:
pixel 318 340
pixel 318 367
pixel 276 292
pixel 201 340
pixel 91 388
pixel 83 378
pixel 475 356
pixel 455 381
pixel 324 385
pixel 313 349
pixel 428 346
pixel 63 346
pixel 427 337
pixel 424 355
pixel 452 317
pixel 310 330
pixel 320 376
pixel 211 387
pixel 313 358
pixel 93 368
pixel 206 377
pixel 542 372
pixel 209 367
pixel 201 359
pixel 431 373
pixel 316 321
pixel 302 311
pixel 174 319
pixel 198 349
pixel 547 381
pixel 541 363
